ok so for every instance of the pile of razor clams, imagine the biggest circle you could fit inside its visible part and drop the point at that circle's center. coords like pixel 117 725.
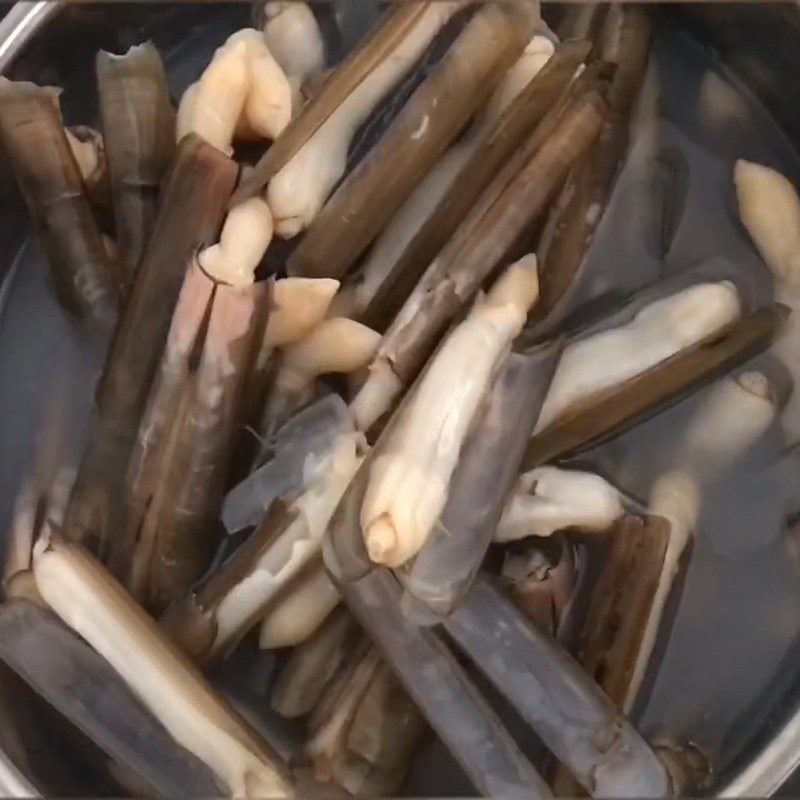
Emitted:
pixel 356 348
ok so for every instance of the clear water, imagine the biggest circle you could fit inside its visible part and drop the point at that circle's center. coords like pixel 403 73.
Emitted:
pixel 739 613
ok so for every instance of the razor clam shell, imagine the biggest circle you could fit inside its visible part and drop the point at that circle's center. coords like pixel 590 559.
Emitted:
pixel 86 276
pixel 486 469
pixel 567 282
pixel 513 126
pixel 308 434
pixel 492 40
pixel 374 49
pixel 551 692
pixel 190 621
pixel 146 465
pixel 503 212
pixel 655 389
pixel 312 665
pixel 619 607
pixel 387 727
pixel 84 687
pixel 453 706
pixel 102 612
pixel 190 216
pixel 138 128
pixel 185 506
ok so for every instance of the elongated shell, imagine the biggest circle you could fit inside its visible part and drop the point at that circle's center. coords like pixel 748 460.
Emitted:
pixel 192 207
pixel 87 278
pixel 550 691
pixel 428 217
pixel 442 690
pixel 177 534
pixel 448 562
pixel 138 130
pixel 312 665
pixel 657 388
pixel 298 191
pixel 90 601
pixel 84 687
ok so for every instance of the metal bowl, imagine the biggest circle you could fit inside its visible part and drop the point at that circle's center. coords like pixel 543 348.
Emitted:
pixel 55 42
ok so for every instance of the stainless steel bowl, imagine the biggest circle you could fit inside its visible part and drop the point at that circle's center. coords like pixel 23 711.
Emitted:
pixel 55 42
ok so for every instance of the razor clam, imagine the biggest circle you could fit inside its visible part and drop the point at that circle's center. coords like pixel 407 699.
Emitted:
pixel 309 434
pixel 293 37
pixel 505 209
pixel 432 212
pixel 769 208
pixel 299 611
pixel 84 687
pixel 492 40
pixel 452 705
pixel 180 463
pixel 538 109
pixel 549 499
pixel 242 93
pixel 596 363
pixel 618 609
pixel 420 453
pixel 138 131
pixel 387 726
pixel 97 608
pixel 327 743
pixel 737 413
pixel 576 721
pixel 299 190
pixel 379 744
pixel 336 345
pixel 358 83
pixel 486 469
pixel 211 621
pixel 87 278
pixel 656 388
pixel 191 212
pixel 622 37
pixel 313 664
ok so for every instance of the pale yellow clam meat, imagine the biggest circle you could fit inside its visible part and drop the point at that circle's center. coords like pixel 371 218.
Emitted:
pixel 407 486
pixel 769 208
pixel 298 306
pixel 299 613
pixel 293 37
pixel 549 499
pixel 665 327
pixel 246 233
pixel 337 345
